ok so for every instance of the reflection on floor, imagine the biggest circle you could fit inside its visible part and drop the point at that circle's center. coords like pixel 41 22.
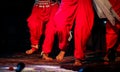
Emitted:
pixel 34 63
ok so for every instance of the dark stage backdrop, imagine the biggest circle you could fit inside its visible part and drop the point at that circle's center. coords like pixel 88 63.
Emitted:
pixel 15 33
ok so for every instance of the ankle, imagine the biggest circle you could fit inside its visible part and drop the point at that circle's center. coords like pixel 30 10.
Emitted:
pixel 62 52
pixel 77 62
pixel 35 46
pixel 34 49
pixel 44 54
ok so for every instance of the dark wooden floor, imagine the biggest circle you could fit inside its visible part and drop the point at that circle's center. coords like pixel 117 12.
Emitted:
pixel 92 63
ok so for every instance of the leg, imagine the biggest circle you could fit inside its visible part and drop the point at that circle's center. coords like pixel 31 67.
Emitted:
pixel 46 57
pixel 49 34
pixel 111 32
pixel 32 50
pixel 111 42
pixel 35 32
pixel 64 19
pixel 60 56
pixel 35 26
pixel 83 27
pixel 77 62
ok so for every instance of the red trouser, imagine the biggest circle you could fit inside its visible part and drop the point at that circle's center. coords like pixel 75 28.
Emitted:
pixel 41 17
pixel 111 33
pixel 81 12
pixel 50 31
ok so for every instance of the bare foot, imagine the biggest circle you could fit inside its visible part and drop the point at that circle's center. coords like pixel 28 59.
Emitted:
pixel 31 51
pixel 106 58
pixel 77 62
pixel 60 56
pixel 46 57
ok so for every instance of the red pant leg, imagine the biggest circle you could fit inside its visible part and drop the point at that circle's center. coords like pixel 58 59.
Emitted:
pixel 83 27
pixel 36 23
pixel 50 31
pixel 111 35
pixel 64 21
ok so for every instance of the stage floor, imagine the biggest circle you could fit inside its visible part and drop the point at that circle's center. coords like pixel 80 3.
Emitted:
pixel 34 63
